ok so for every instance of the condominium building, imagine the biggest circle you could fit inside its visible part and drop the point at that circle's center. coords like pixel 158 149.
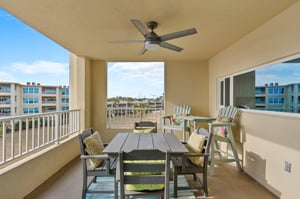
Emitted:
pixel 19 99
pixel 275 97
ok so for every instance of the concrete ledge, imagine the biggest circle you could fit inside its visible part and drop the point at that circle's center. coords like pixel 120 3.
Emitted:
pixel 21 178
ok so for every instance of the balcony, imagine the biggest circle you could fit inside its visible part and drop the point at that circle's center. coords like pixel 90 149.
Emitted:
pixel 266 139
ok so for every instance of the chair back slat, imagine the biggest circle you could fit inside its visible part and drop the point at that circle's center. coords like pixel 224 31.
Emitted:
pixel 228 111
pixel 182 109
pixel 145 125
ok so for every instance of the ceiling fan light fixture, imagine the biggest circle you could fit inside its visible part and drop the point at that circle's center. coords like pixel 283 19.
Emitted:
pixel 152 45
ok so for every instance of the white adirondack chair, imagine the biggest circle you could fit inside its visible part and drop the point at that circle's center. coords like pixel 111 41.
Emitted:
pixel 173 122
pixel 222 132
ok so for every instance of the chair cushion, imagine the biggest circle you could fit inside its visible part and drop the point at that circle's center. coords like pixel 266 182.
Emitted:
pixel 144 187
pixel 94 146
pixel 144 130
pixel 195 144
pixel 221 131
pixel 177 120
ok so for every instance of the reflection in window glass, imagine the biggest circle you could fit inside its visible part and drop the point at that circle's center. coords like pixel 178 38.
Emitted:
pixel 272 88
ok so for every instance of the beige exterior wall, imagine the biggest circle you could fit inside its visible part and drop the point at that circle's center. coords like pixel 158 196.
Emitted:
pixel 269 139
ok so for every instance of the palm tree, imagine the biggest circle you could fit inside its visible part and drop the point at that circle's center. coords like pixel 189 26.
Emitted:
pixel 141 109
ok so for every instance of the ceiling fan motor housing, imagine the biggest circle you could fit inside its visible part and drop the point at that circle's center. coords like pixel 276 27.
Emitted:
pixel 152 25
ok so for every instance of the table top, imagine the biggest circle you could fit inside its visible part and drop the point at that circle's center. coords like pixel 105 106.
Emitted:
pixel 198 118
pixel 145 141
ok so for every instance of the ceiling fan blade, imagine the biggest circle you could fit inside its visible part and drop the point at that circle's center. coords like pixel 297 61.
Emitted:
pixel 126 41
pixel 140 26
pixel 175 35
pixel 143 51
pixel 170 46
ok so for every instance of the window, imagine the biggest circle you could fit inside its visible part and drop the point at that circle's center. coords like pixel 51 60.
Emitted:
pixel 30 110
pixel 49 91
pixel 272 88
pixel 65 91
pixel 224 92
pixel 65 100
pixel 30 90
pixel 5 89
pixel 30 100
pixel 65 108
pixel 5 100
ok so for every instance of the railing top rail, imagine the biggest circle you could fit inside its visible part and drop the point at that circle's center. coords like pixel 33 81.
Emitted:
pixel 8 118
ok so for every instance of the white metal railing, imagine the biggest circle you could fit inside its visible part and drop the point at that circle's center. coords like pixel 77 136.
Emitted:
pixel 24 134
pixel 125 117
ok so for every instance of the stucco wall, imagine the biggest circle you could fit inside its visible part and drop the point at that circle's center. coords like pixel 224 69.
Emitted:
pixel 21 178
pixel 270 139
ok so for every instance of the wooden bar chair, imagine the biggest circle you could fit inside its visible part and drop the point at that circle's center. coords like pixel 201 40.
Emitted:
pixel 195 162
pixel 144 173
pixel 94 163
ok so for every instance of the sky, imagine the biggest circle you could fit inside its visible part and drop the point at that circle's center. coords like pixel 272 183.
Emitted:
pixel 28 56
pixel 135 79
pixel 281 73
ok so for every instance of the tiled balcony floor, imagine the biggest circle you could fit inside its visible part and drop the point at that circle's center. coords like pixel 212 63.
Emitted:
pixel 227 183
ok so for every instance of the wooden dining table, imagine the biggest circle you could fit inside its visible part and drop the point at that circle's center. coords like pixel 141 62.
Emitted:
pixel 126 142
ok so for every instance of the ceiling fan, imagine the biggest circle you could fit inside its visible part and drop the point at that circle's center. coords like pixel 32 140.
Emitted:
pixel 153 41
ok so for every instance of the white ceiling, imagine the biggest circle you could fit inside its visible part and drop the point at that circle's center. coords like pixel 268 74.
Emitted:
pixel 86 27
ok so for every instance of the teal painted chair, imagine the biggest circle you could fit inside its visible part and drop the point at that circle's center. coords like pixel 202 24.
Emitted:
pixel 173 122
pixel 222 133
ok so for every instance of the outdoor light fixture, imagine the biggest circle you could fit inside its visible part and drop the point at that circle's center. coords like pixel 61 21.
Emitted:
pixel 152 45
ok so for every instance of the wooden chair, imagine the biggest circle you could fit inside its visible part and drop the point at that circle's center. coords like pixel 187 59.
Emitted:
pixel 173 122
pixel 146 168
pixel 145 125
pixel 194 163
pixel 222 132
pixel 106 167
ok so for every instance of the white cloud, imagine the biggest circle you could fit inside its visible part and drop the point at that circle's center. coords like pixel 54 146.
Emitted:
pixel 152 71
pixel 6 77
pixel 38 67
pixel 135 79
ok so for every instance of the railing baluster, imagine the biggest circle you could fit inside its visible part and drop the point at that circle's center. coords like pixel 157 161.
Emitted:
pixel 43 130
pixel 12 141
pixel 38 131
pixel 26 135
pixel 3 142
pixel 56 128
pixel 20 137
pixel 32 133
